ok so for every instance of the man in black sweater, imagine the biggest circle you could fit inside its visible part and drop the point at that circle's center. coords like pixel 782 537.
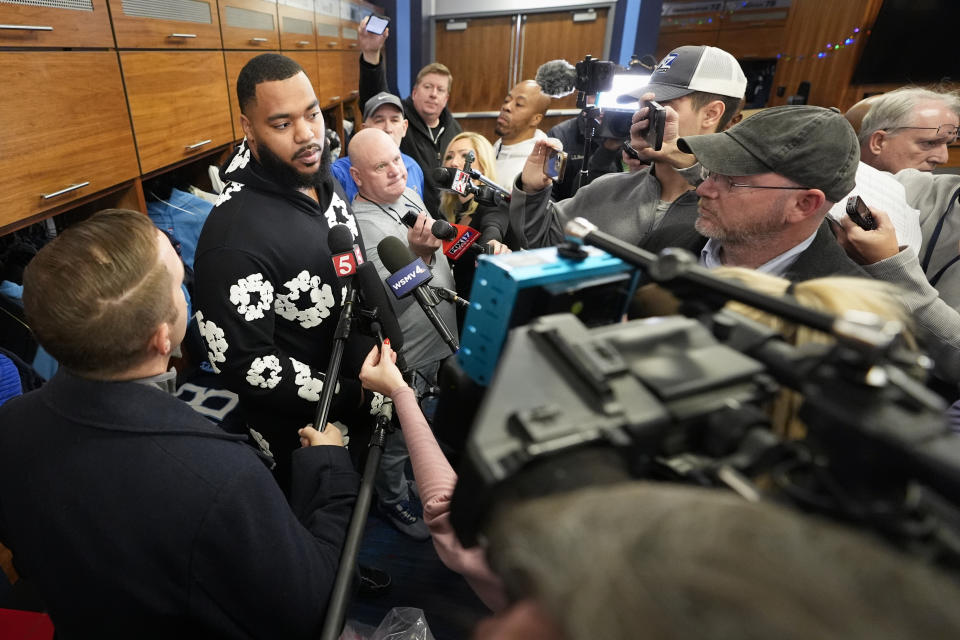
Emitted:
pixel 432 126
pixel 130 513
pixel 266 293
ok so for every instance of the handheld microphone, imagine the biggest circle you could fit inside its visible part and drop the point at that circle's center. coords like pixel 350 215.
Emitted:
pixel 459 182
pixel 557 78
pixel 374 304
pixel 408 275
pixel 345 255
pixel 458 239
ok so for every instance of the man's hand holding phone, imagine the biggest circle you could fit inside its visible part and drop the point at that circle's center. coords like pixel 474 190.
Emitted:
pixel 868 246
pixel 641 135
pixel 371 39
pixel 533 178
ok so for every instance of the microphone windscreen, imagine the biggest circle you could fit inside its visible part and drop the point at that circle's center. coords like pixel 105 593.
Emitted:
pixel 372 293
pixel 394 254
pixel 443 176
pixel 340 239
pixel 443 230
pixel 557 78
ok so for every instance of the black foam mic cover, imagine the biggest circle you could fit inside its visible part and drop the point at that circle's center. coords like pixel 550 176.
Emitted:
pixel 443 230
pixel 340 239
pixel 394 254
pixel 443 176
pixel 373 294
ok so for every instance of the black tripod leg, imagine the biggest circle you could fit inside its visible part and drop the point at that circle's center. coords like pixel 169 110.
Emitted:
pixel 339 596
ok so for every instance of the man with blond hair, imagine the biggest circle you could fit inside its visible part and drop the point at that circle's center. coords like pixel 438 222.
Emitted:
pixel 130 513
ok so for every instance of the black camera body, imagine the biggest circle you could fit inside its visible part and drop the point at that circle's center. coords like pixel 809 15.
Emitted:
pixel 594 76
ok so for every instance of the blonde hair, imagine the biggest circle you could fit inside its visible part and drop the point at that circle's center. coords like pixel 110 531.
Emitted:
pixel 449 202
pixel 835 295
pixel 438 68
pixel 95 295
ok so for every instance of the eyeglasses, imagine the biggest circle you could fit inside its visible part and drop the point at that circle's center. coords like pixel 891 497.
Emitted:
pixel 726 181
pixel 945 130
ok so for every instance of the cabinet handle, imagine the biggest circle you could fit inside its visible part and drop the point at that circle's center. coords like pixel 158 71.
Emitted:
pixel 353 45
pixel 197 145
pixel 257 40
pixel 73 187
pixel 302 43
pixel 335 98
pixel 24 27
pixel 182 35
pixel 333 43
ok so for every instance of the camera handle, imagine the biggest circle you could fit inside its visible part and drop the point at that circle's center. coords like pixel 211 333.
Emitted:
pixel 590 128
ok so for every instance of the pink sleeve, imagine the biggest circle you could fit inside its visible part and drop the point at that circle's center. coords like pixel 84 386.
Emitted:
pixel 436 480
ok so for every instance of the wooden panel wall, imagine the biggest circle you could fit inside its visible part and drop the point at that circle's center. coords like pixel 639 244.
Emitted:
pixel 813 24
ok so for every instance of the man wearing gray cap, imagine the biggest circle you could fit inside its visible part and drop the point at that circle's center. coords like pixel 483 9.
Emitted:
pixel 383 111
pixel 767 184
pixel 702 86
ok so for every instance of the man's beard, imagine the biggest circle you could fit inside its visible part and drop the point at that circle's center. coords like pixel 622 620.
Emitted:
pixel 498 131
pixel 287 176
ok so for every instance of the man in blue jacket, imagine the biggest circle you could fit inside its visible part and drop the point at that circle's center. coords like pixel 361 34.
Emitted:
pixel 131 514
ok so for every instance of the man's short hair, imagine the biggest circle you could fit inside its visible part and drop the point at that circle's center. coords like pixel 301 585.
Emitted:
pixel 731 106
pixel 681 562
pixel 895 109
pixel 439 69
pixel 266 67
pixel 95 295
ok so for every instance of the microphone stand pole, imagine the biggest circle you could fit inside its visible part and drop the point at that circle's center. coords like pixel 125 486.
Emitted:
pixel 336 355
pixel 346 570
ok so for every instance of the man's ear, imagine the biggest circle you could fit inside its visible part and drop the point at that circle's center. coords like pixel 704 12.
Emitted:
pixel 246 126
pixel 355 175
pixel 710 115
pixel 875 141
pixel 805 204
pixel 536 119
pixel 160 341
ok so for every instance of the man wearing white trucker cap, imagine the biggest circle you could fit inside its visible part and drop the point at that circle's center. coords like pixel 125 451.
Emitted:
pixel 704 86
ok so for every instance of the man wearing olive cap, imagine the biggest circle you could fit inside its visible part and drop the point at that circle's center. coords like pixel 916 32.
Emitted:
pixel 765 186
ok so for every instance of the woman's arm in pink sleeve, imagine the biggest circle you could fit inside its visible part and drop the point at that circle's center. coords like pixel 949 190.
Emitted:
pixel 436 480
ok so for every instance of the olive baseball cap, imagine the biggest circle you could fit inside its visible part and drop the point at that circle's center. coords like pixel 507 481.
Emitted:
pixel 377 101
pixel 813 146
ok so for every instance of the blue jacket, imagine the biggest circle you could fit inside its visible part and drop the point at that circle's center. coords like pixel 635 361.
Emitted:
pixel 341 171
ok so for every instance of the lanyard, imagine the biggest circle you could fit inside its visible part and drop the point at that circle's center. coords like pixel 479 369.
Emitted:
pixel 928 254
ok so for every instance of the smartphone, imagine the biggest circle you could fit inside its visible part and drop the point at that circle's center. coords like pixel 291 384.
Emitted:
pixel 376 24
pixel 858 211
pixel 555 165
pixel 657 118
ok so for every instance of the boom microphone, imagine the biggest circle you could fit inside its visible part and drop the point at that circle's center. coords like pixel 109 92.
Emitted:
pixel 458 181
pixel 408 276
pixel 556 78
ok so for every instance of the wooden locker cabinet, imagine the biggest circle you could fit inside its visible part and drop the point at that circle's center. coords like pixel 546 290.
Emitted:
pixel 297 25
pixel 178 104
pixel 330 88
pixel 166 24
pixel 351 13
pixel 65 133
pixel 307 60
pixel 350 74
pixel 249 24
pixel 235 61
pixel 328 25
pixel 64 23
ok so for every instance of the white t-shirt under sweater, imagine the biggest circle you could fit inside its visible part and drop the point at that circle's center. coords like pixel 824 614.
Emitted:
pixel 509 158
